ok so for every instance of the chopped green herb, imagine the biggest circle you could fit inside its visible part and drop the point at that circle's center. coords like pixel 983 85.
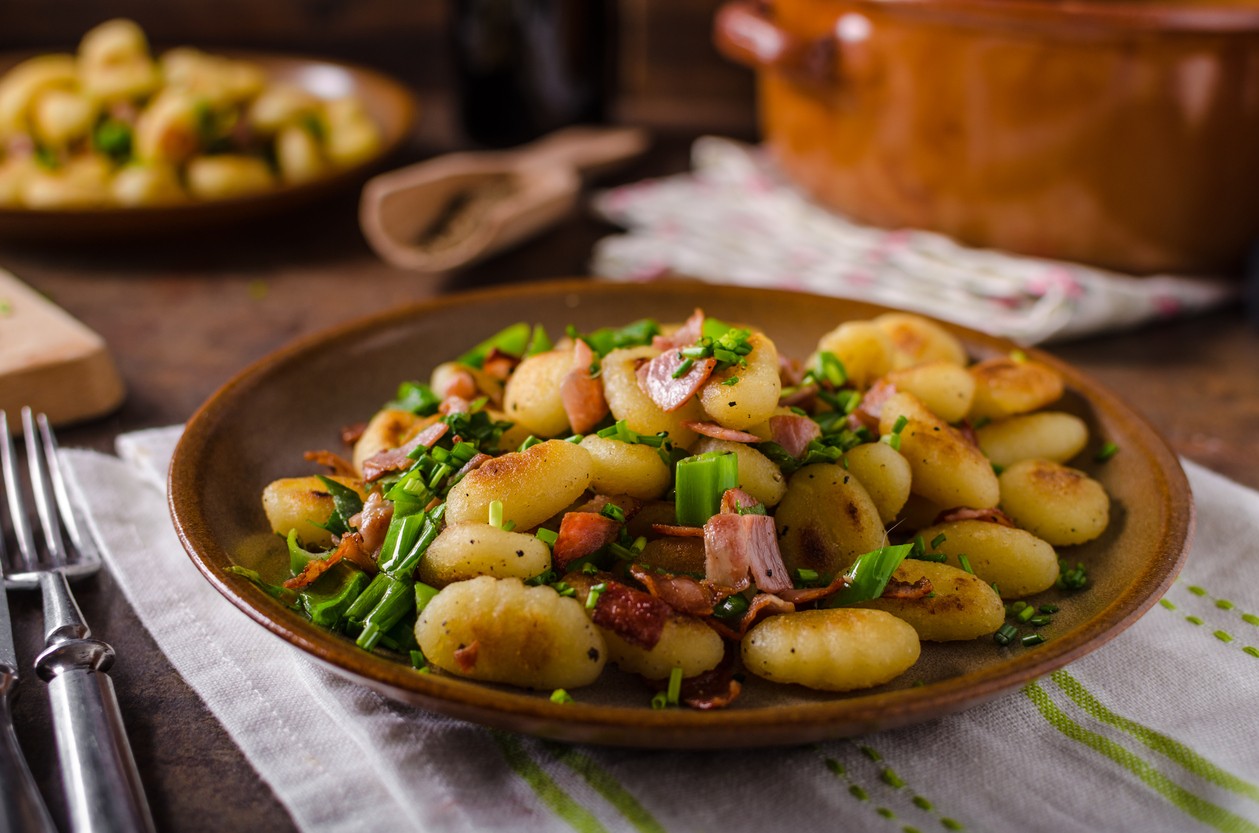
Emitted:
pixel 1107 451
pixel 547 536
pixel 512 340
pixel 113 138
pixel 561 696
pixel 1032 639
pixel 496 514
pixel 869 574
pixel 701 482
pixel 611 510
pixel 1005 634
pixel 674 692
pixel 964 562
pixel 592 598
pixel 730 382
pixel 416 397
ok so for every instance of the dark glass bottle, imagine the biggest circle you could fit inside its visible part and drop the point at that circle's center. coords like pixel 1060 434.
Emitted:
pixel 527 67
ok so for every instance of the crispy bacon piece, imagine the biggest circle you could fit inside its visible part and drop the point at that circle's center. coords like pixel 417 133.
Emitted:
pixel 454 405
pixel 871 406
pixel 479 459
pixel 466 655
pixel 897 589
pixel 580 534
pixel 743 546
pixel 714 689
pixel 350 547
pixel 398 459
pixel 790 370
pixel 720 432
pixel 682 593
pixel 736 499
pixel 964 513
pixel 633 615
pixel 793 432
pixel 683 336
pixel 677 531
pixel 656 379
pixel 499 365
pixel 352 433
pixel 581 395
pixel 335 462
pixel 804 595
pixel 373 522
pixel 762 605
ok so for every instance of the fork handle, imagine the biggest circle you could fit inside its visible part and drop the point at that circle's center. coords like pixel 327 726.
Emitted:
pixel 21 806
pixel 103 789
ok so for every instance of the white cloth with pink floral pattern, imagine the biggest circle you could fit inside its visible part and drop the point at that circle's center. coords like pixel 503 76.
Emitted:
pixel 734 220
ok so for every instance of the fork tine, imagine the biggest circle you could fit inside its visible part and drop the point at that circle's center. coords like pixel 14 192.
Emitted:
pixel 17 514
pixel 82 544
pixel 43 496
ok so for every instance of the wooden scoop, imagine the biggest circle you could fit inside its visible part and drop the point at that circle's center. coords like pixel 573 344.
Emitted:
pixel 456 209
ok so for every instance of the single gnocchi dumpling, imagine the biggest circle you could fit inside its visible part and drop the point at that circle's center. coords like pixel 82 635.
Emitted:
pixel 466 550
pixel 1062 505
pixel 502 631
pixel 841 649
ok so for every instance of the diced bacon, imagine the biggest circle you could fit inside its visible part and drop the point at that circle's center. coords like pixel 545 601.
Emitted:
pixel 682 593
pixel 466 656
pixel 897 589
pixel 635 616
pixel 581 533
pixel 581 395
pixel 350 547
pixel 793 432
pixel 683 336
pixel 478 460
pixel 714 689
pixel 742 546
pixel 720 432
pixel 677 531
pixel 499 365
pixel 454 405
pixel 373 522
pixel 965 513
pixel 656 379
pixel 455 380
pixel 761 605
pixel 399 459
pixel 735 499
pixel 790 370
pixel 804 595
pixel 871 406
pixel 335 462
pixel 352 433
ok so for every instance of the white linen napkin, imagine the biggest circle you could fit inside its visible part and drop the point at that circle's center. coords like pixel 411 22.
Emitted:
pixel 1156 731
pixel 734 219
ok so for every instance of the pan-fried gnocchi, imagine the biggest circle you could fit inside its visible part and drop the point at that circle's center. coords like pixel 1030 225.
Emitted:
pixel 724 512
pixel 183 127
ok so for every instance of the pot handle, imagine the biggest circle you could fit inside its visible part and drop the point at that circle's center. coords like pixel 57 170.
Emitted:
pixel 744 32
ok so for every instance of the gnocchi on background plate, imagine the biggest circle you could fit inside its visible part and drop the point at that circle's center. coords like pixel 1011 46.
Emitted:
pixel 113 126
pixel 684 503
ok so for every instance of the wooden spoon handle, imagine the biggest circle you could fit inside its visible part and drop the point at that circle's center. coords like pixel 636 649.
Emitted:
pixel 585 148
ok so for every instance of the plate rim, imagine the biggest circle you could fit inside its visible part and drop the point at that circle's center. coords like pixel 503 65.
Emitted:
pixel 582 722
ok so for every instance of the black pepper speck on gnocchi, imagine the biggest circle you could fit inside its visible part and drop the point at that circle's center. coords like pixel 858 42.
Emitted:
pixel 683 503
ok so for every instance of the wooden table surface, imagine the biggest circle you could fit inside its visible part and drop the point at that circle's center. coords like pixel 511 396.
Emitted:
pixel 183 316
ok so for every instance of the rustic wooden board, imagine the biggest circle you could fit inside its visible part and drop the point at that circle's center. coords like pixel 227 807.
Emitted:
pixel 50 361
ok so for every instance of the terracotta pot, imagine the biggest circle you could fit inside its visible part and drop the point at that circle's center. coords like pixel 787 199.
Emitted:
pixel 1117 134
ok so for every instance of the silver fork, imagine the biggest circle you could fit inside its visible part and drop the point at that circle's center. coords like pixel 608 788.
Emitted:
pixel 102 787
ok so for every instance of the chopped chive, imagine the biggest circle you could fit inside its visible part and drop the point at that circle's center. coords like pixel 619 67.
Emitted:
pixel 1005 634
pixel 1026 614
pixel 612 511
pixel 675 686
pixel 965 563
pixel 806 575
pixel 730 382
pixel 496 513
pixel 423 595
pixel 530 442
pixel 1106 452
pixel 660 700
pixel 701 483
pixel 417 660
pixel 561 696
pixel 592 598
pixel 1049 608
pixel 938 540
pixel 899 425
pixel 683 369
pixel 548 536
pixel 1032 639
pixel 894 440
pixel 564 588
pixel 1039 621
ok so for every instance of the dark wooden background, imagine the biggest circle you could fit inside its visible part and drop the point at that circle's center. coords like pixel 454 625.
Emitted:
pixel 668 72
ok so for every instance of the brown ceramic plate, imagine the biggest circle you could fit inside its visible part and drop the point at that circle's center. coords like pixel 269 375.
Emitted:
pixel 255 429
pixel 388 102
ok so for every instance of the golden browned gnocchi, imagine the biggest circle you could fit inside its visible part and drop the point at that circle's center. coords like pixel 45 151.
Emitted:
pixel 212 121
pixel 813 533
pixel 502 631
pixel 1059 504
pixel 834 650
